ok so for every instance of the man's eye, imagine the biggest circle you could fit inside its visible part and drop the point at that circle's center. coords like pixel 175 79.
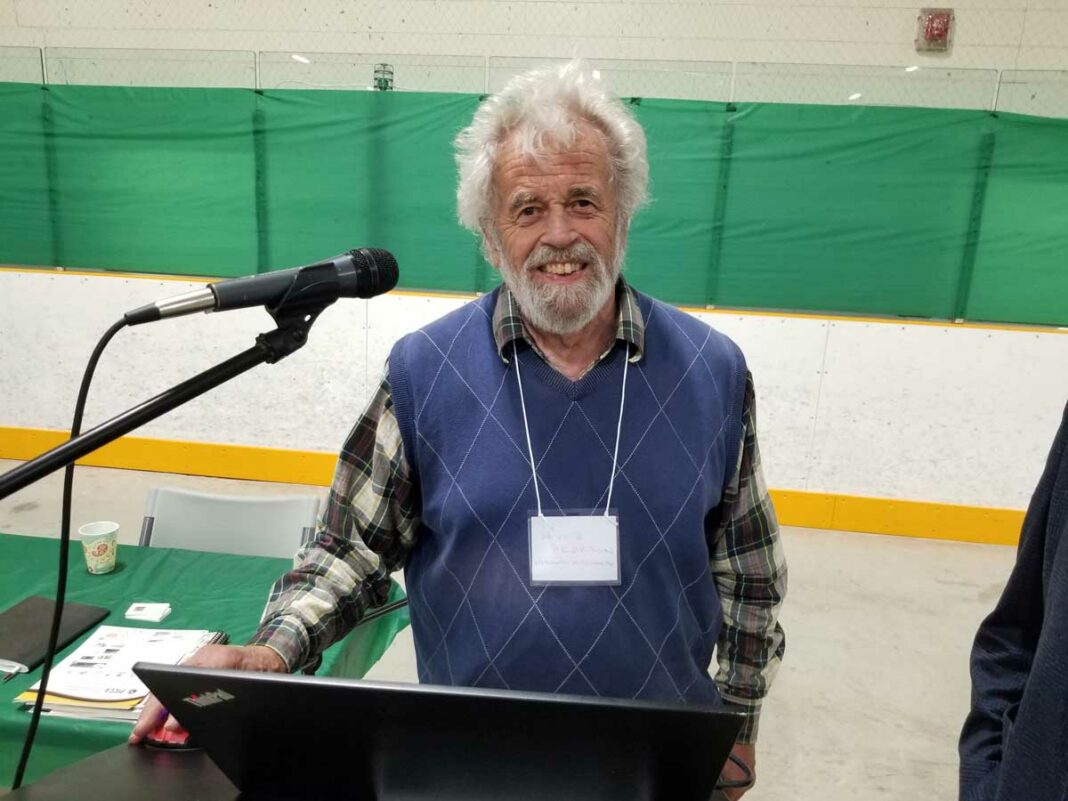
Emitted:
pixel 584 203
pixel 527 211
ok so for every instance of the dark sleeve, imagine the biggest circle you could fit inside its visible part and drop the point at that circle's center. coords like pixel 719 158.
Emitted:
pixel 1005 644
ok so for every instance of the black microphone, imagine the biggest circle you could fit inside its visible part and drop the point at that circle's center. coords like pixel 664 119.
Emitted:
pixel 360 273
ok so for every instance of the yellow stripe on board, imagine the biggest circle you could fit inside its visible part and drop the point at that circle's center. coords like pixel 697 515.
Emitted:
pixel 200 279
pixel 808 509
pixel 192 279
pixel 941 521
pixel 190 458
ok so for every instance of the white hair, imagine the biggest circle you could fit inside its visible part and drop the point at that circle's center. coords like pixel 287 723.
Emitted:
pixel 545 107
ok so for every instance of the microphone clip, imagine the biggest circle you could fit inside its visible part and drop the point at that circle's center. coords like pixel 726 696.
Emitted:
pixel 313 289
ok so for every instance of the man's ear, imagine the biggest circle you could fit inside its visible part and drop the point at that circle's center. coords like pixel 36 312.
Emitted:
pixel 490 250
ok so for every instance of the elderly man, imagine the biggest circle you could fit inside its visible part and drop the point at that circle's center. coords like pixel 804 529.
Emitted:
pixel 565 407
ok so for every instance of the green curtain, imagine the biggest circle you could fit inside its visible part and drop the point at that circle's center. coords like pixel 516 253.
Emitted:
pixel 894 211
pixel 1021 270
pixel 26 235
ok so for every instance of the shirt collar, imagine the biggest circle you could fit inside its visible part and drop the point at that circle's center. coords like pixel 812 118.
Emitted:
pixel 508 325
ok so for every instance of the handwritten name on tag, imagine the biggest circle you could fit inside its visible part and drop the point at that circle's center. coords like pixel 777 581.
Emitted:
pixel 574 549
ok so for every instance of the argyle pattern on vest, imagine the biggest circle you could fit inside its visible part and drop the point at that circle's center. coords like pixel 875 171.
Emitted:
pixel 476 618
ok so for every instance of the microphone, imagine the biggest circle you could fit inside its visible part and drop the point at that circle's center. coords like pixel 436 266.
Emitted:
pixel 360 273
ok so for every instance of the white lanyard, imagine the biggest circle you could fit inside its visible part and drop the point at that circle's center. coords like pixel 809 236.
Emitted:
pixel 526 428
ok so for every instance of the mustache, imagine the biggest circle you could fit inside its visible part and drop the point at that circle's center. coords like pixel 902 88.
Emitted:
pixel 547 254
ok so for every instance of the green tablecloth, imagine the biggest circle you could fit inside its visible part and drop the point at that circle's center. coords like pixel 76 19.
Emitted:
pixel 212 591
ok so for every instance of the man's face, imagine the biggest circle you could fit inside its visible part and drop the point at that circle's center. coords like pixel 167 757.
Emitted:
pixel 556 225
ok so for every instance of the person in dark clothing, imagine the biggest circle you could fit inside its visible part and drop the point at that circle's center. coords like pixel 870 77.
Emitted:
pixel 1014 745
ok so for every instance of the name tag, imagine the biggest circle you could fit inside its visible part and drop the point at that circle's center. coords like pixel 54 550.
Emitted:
pixel 574 549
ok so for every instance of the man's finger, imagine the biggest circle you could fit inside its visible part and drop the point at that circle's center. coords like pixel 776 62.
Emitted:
pixel 172 724
pixel 151 716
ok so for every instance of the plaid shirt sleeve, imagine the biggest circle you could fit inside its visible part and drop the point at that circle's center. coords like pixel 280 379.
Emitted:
pixel 365 533
pixel 749 569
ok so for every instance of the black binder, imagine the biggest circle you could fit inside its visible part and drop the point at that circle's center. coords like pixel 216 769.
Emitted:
pixel 25 626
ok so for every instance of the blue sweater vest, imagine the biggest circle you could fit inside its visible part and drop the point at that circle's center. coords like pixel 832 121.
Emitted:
pixel 476 618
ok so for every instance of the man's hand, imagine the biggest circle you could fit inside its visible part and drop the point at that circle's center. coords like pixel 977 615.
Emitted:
pixel 234 657
pixel 746 752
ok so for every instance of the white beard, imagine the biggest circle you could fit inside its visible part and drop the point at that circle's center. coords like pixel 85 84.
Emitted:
pixel 562 309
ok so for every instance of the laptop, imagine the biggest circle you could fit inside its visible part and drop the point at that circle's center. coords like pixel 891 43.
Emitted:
pixel 277 736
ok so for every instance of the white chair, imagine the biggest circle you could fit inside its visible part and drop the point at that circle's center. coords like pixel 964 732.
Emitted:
pixel 246 525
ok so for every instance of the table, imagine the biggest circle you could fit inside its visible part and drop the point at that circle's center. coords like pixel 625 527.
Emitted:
pixel 220 592
pixel 134 773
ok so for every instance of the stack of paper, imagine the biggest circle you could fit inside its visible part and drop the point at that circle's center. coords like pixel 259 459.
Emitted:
pixel 150 613
pixel 97 680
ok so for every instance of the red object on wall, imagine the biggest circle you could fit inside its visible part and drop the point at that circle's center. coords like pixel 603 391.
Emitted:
pixel 934 29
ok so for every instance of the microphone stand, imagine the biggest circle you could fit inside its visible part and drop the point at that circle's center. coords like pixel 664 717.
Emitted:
pixel 294 317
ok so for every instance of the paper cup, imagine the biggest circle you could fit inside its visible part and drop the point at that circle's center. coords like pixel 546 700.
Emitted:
pixel 100 543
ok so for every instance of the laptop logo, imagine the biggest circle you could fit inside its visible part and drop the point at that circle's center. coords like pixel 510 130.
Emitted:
pixel 209 698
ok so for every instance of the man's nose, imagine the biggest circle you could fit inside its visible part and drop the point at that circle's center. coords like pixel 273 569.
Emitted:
pixel 559 232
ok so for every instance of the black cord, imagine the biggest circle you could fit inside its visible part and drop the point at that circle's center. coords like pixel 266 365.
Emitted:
pixel 737 783
pixel 382 611
pixel 64 549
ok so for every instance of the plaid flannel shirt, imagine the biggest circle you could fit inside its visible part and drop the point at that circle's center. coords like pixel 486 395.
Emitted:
pixel 372 518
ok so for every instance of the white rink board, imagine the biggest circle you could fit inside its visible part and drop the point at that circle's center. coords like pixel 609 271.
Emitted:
pixel 938 413
pixel 922 412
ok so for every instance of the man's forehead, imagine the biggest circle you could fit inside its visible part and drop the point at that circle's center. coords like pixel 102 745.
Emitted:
pixel 582 164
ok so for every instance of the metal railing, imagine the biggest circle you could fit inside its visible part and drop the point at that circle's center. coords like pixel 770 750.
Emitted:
pixel 1035 92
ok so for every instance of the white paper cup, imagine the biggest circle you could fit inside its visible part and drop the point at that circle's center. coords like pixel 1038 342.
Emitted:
pixel 100 543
